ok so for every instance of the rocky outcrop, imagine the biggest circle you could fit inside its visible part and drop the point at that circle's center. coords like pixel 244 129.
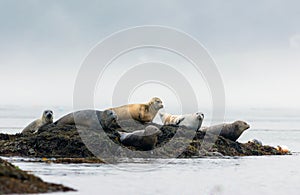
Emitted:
pixel 65 142
pixel 15 181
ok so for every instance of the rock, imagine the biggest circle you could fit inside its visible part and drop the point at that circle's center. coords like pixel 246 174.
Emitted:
pixel 31 151
pixel 15 181
pixel 65 142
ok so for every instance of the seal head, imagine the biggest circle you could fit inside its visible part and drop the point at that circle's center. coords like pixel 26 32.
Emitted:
pixel 108 119
pixel 256 141
pixel 48 116
pixel 240 126
pixel 156 103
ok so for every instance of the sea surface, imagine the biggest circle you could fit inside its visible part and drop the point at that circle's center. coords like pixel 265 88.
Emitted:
pixel 228 175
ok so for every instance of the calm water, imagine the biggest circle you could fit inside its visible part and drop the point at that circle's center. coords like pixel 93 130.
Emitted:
pixel 250 175
pixel 247 175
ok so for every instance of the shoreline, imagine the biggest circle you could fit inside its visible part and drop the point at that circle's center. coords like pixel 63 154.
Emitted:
pixel 13 180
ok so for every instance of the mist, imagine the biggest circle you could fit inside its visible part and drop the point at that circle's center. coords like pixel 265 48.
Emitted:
pixel 256 48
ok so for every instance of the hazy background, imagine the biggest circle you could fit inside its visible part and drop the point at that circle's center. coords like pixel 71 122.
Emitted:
pixel 256 45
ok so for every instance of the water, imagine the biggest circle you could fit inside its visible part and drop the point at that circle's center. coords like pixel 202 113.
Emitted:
pixel 247 175
pixel 242 175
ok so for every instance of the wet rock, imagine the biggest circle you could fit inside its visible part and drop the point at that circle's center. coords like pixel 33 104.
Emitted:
pixel 15 181
pixel 31 151
pixel 54 141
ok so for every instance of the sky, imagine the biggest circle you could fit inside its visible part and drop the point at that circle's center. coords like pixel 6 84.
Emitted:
pixel 255 45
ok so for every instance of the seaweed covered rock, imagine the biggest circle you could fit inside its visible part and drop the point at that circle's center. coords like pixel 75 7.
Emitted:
pixel 15 181
pixel 53 142
pixel 70 142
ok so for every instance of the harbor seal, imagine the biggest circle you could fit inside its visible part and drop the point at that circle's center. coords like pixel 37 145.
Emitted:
pixel 256 141
pixel 140 112
pixel 142 139
pixel 191 121
pixel 89 118
pixel 47 118
pixel 230 131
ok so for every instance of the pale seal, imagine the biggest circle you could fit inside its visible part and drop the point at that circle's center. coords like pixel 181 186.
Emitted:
pixel 143 139
pixel 93 119
pixel 191 121
pixel 230 131
pixel 47 118
pixel 139 112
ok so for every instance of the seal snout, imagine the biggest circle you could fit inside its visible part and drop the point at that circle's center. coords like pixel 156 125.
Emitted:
pixel 48 114
pixel 200 115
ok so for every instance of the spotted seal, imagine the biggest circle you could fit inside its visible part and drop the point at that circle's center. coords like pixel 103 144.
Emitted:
pixel 47 118
pixel 231 131
pixel 191 121
pixel 140 112
pixel 93 119
pixel 143 139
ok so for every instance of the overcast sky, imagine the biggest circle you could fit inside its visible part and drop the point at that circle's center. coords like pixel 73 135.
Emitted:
pixel 255 44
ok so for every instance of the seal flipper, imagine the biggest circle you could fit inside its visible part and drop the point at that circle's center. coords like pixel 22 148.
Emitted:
pixel 179 120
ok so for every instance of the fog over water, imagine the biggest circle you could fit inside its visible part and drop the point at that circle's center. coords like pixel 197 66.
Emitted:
pixel 254 44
